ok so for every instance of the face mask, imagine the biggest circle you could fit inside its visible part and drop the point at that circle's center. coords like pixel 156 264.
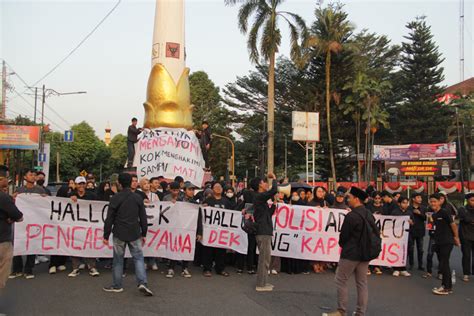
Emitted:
pixel 295 198
pixel 230 195
pixel 40 182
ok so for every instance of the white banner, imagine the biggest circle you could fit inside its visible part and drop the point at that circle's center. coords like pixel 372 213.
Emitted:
pixel 223 229
pixel 170 152
pixel 58 226
pixel 312 233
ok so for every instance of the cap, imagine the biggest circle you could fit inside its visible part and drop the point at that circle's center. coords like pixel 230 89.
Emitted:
pixel 469 195
pixel 358 193
pixel 174 185
pixel 80 180
pixel 340 193
pixel 189 185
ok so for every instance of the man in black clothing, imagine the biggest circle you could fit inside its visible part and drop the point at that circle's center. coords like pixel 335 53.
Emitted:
pixel 350 262
pixel 211 254
pixel 126 219
pixel 466 219
pixel 9 214
pixel 445 236
pixel 263 218
pixel 389 203
pixel 132 139
pixel 205 138
pixel 417 231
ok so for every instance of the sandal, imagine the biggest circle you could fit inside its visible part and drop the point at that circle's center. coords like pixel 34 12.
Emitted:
pixel 207 274
pixel 224 273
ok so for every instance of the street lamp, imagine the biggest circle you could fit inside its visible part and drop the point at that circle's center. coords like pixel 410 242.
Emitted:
pixel 232 157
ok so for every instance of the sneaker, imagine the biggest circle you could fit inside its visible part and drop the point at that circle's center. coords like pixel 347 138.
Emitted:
pixel 93 272
pixel 440 276
pixel 37 261
pixel 186 273
pixel 305 272
pixel 378 271
pixel 43 259
pixel 62 268
pixel 154 267
pixel 82 266
pixel 251 272
pixel 369 272
pixel 239 271
pixel 396 273
pixel 270 285
pixel 405 273
pixel 274 272
pixel 15 275
pixel 335 313
pixel 170 273
pixel 427 275
pixel 465 278
pixel 52 270
pixel 146 291
pixel 265 288
pixel 29 276
pixel 112 289
pixel 442 291
pixel 74 273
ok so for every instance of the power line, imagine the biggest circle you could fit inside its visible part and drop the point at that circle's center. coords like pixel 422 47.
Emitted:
pixel 80 44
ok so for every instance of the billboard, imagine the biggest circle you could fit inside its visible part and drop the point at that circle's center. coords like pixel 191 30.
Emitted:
pixel 413 152
pixel 19 137
pixel 419 168
pixel 305 126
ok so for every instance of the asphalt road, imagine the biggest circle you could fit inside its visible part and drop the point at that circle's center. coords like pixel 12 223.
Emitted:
pixel 293 295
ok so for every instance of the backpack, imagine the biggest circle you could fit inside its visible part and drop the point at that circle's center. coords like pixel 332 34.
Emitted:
pixel 370 241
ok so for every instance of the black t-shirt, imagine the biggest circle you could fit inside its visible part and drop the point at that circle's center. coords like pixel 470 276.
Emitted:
pixel 443 235
pixel 88 195
pixel 220 203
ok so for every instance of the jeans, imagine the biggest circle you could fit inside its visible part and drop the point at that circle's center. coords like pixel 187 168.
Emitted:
pixel 264 244
pixel 131 153
pixel 135 248
pixel 444 254
pixel 345 269
pixel 429 256
pixel 419 250
pixel 29 264
pixel 467 248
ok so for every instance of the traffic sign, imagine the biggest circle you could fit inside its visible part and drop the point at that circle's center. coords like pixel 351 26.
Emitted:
pixel 42 157
pixel 39 168
pixel 68 136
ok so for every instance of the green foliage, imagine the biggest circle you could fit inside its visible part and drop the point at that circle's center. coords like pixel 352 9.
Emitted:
pixel 118 153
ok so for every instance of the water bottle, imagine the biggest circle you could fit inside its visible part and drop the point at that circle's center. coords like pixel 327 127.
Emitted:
pixel 453 277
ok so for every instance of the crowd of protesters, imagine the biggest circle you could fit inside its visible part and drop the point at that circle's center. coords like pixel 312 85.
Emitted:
pixel 436 215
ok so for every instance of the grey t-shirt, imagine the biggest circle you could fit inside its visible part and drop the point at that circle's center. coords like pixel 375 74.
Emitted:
pixel 35 189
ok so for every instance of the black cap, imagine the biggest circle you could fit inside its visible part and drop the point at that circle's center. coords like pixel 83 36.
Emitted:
pixel 386 193
pixel 358 193
pixel 469 195
pixel 174 185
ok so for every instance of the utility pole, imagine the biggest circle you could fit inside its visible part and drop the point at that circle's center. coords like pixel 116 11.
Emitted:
pixel 36 103
pixel 286 156
pixel 461 40
pixel 3 113
pixel 58 161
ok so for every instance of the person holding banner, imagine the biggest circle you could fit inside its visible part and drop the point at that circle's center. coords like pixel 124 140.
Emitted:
pixel 263 217
pixel 126 219
pixel 403 210
pixel 445 236
pixel 82 194
pixel 351 255
pixel 211 254
pixel 30 187
pixel 9 214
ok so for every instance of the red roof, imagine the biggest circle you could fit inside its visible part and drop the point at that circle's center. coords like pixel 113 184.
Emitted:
pixel 464 88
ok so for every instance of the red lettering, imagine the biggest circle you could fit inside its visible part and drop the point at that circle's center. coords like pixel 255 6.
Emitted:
pixel 393 253
pixel 320 228
pixel 292 214
pixel 212 237
pixel 186 244
pixel 74 229
pixel 65 236
pixel 45 226
pixel 163 240
pixel 98 236
pixel 319 244
pixel 278 222
pixel 304 244
pixel 223 238
pixel 152 239
pixel 332 243
pixel 29 236
pixel 234 239
pixel 309 214
pixel 88 239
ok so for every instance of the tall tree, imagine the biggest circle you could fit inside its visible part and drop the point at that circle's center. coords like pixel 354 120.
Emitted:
pixel 266 17
pixel 420 118
pixel 330 33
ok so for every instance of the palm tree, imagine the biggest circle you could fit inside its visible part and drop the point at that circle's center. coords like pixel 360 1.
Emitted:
pixel 329 35
pixel 265 28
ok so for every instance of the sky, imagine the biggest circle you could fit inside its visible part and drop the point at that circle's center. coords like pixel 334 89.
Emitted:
pixel 113 65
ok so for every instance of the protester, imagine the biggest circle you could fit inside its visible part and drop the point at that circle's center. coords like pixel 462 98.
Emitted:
pixel 389 203
pixel 104 191
pixel 132 139
pixel 65 190
pixel 82 194
pixel 230 195
pixel 445 236
pixel 350 262
pixel 147 195
pixel 126 219
pixel 375 205
pixel 339 202
pixel 29 176
pixel 447 205
pixel 134 183
pixel 247 208
pixel 156 188
pixel 9 214
pixel 466 232
pixel 263 218
pixel 431 249
pixel 319 197
pixel 211 254
pixel 40 180
pixel 417 232
pixel 205 139
pixel 403 210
